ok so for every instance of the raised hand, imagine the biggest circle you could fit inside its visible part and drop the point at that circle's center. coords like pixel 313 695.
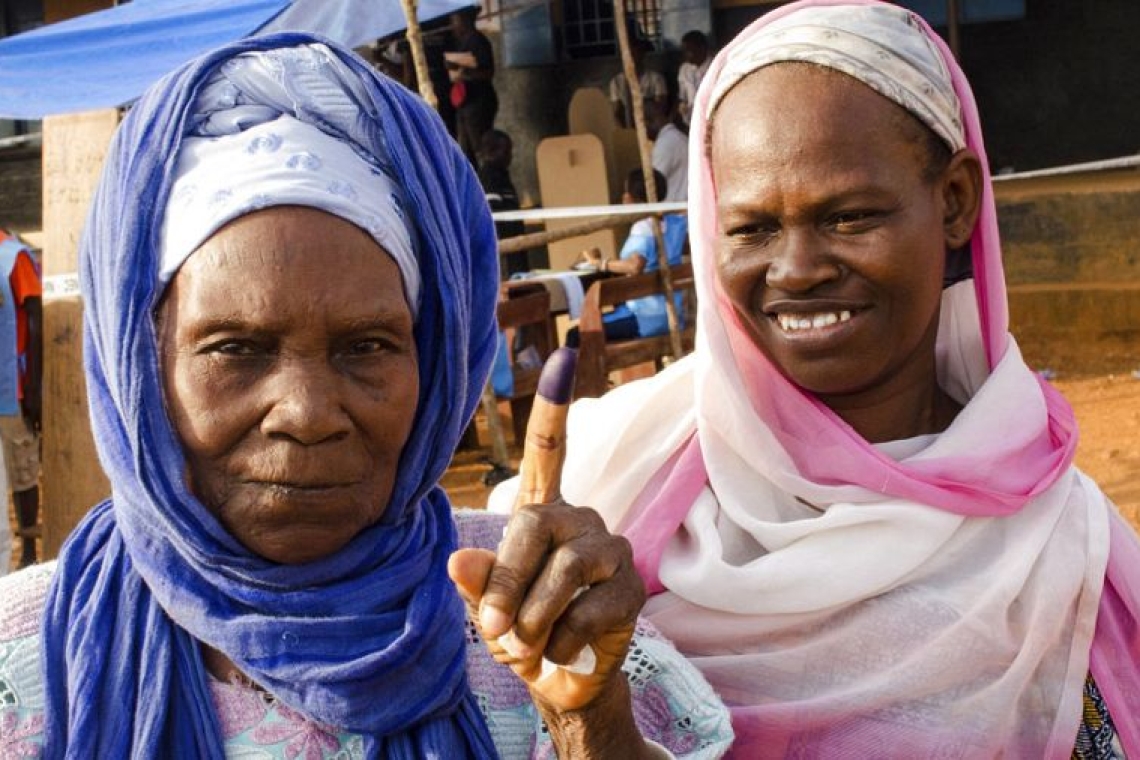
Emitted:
pixel 561 591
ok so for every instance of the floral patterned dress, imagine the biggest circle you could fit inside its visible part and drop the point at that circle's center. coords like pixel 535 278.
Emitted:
pixel 673 704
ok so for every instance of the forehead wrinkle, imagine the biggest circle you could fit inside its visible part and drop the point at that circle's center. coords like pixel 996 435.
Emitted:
pixel 796 173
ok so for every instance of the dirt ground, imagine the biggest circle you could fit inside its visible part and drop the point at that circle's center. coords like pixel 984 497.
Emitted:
pixel 1108 413
pixel 1107 408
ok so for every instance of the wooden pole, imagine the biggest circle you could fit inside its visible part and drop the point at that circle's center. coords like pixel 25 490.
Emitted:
pixel 73 481
pixel 634 83
pixel 523 242
pixel 419 60
pixel 499 453
pixel 74 148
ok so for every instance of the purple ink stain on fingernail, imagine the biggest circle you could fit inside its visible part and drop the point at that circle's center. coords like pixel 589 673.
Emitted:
pixel 556 383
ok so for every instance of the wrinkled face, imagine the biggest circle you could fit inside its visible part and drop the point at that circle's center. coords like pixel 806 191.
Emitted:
pixel 290 374
pixel 832 239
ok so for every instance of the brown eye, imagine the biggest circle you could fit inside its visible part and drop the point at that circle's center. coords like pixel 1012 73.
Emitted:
pixel 855 221
pixel 232 348
pixel 752 233
pixel 366 347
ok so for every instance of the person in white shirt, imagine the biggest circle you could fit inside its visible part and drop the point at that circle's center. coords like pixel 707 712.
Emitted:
pixel 695 54
pixel 653 85
pixel 670 151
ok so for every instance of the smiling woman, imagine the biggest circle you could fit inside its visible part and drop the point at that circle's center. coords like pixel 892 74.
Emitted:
pixel 854 505
pixel 289 278
pixel 832 240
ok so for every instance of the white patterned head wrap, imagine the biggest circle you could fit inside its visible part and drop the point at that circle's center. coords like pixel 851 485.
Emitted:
pixel 245 155
pixel 882 46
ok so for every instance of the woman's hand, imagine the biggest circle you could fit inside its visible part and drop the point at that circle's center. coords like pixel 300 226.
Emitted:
pixel 561 588
pixel 561 591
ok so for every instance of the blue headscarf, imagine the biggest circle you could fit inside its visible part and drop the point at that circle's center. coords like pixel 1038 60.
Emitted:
pixel 370 640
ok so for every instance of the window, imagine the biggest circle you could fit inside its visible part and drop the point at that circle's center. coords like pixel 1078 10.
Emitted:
pixel 588 26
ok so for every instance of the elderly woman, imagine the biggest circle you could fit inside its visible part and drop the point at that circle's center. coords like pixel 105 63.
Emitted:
pixel 289 275
pixel 854 504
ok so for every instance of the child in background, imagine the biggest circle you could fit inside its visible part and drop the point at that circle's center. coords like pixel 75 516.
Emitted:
pixel 641 317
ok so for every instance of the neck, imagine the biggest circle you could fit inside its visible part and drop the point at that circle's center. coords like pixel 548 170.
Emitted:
pixel 919 408
pixel 220 666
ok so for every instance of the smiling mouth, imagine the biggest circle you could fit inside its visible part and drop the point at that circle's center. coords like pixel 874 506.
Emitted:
pixel 791 323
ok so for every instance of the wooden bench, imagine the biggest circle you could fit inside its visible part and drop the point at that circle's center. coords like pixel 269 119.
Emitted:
pixel 524 315
pixel 597 358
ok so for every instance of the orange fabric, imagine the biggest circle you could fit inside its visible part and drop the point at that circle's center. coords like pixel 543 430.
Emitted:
pixel 25 283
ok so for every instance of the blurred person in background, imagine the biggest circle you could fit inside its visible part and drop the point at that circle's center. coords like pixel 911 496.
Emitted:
pixel 21 385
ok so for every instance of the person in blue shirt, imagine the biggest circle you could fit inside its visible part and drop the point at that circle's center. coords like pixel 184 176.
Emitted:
pixel 641 317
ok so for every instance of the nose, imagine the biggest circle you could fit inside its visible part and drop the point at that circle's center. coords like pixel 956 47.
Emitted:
pixel 800 262
pixel 304 402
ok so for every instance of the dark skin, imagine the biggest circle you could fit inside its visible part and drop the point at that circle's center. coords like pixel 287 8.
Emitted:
pixel 303 455
pixel 656 117
pixel 495 151
pixel 32 403
pixel 560 582
pixel 307 372
pixel 829 201
pixel 632 265
pixel 527 591
pixel 828 217
pixel 463 26
pixel 694 51
pixel 637 52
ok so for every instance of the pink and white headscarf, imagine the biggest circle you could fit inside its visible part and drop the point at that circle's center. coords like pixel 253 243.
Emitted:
pixel 941 596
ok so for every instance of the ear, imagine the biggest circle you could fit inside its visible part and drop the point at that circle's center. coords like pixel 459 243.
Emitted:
pixel 962 197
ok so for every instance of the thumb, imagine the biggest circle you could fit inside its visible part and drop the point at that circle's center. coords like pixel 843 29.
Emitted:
pixel 469 570
pixel 544 450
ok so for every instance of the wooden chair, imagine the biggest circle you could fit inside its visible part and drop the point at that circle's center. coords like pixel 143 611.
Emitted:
pixel 597 358
pixel 524 315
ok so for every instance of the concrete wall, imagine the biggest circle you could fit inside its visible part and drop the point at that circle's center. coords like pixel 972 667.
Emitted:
pixel 1054 88
pixel 1071 247
pixel 1059 86
pixel 533 102
pixel 21 189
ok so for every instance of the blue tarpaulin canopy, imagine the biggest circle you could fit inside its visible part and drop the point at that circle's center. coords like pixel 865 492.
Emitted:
pixel 109 57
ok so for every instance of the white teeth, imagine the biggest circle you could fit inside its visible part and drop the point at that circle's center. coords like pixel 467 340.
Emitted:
pixel 793 322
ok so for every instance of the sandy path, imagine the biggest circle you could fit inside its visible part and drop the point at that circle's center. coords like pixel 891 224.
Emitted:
pixel 1108 413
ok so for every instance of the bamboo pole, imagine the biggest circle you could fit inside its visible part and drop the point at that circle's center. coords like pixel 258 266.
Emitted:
pixel 427 92
pixel 634 83
pixel 419 60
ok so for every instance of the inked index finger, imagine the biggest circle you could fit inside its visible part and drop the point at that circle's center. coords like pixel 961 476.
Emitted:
pixel 544 450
